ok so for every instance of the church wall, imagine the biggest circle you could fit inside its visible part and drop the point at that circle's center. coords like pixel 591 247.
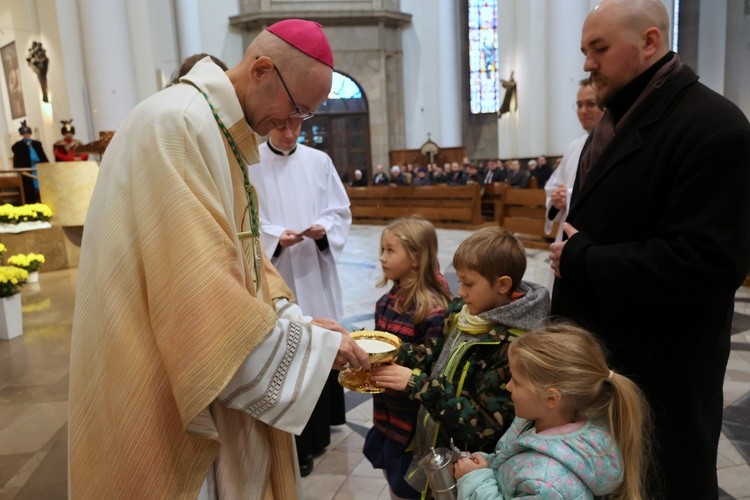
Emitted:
pixel 57 108
pixel 163 35
pixel 401 66
pixel 6 132
pixel 143 48
pixel 111 75
pixel 23 28
pixel 712 44
pixel 737 76
pixel 432 74
pixel 217 36
pixel 540 42
pixel 70 101
pixel 292 6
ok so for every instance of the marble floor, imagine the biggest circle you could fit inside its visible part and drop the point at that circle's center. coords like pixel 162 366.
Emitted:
pixel 34 387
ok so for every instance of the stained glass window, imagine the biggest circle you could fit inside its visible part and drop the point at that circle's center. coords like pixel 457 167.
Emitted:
pixel 483 56
pixel 675 24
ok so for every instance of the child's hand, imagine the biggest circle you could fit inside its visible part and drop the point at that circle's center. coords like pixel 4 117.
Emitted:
pixel 391 376
pixel 468 464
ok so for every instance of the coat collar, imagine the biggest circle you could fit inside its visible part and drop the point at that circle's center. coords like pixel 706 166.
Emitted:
pixel 630 138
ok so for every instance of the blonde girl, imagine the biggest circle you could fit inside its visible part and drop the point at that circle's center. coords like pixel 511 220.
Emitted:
pixel 581 430
pixel 414 310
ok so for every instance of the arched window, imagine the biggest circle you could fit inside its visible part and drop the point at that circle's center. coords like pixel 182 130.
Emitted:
pixel 341 127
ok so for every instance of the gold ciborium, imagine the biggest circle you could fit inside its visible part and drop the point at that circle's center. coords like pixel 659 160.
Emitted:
pixel 381 348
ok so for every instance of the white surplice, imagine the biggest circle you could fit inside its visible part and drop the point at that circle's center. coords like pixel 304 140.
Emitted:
pixel 297 190
pixel 565 173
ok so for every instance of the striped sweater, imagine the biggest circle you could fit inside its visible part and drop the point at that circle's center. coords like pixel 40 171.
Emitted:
pixel 394 413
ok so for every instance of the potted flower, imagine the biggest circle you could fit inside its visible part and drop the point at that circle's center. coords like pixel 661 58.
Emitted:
pixel 29 262
pixel 25 217
pixel 11 320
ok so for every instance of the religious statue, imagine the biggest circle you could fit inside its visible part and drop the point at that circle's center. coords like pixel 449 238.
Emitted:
pixel 39 62
pixel 510 95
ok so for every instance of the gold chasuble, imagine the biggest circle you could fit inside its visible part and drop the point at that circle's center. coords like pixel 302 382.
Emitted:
pixel 166 311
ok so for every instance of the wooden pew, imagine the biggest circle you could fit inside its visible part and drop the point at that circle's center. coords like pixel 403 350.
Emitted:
pixel 11 188
pixel 523 213
pixel 493 199
pixel 444 206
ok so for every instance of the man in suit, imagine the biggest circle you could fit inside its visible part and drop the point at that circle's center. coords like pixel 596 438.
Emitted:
pixel 380 178
pixel 657 241
pixel 26 154
pixel 494 174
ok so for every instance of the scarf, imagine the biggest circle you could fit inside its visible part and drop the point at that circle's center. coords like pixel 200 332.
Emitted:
pixel 473 324
pixel 606 130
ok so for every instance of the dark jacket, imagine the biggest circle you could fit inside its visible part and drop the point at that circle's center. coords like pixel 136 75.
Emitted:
pixel 381 179
pixel 22 159
pixel 21 156
pixel 456 179
pixel 664 242
pixel 498 175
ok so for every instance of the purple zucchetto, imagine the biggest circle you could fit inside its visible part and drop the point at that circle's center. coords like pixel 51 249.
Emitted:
pixel 305 36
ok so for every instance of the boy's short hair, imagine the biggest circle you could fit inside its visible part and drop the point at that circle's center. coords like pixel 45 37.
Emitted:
pixel 492 252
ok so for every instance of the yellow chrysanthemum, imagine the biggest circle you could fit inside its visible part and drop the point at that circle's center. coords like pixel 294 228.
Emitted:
pixel 30 262
pixel 11 279
pixel 25 213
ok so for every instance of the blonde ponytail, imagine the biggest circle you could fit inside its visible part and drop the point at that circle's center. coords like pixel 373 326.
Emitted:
pixel 572 360
pixel 630 424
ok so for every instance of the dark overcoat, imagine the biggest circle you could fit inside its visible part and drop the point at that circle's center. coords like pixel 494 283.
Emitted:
pixel 22 159
pixel 664 243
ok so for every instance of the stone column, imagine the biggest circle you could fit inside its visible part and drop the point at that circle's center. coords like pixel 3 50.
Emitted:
pixel 449 73
pixel 108 59
pixel 188 27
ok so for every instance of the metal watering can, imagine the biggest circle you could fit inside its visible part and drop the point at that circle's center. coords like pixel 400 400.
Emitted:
pixel 436 465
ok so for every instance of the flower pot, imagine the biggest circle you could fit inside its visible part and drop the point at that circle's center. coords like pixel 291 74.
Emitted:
pixel 11 319
pixel 33 277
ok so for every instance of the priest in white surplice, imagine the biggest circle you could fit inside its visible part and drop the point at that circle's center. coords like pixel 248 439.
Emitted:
pixel 305 220
pixel 190 366
pixel 300 190
pixel 559 187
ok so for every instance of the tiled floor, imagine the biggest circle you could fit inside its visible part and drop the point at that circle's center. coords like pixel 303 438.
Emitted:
pixel 34 387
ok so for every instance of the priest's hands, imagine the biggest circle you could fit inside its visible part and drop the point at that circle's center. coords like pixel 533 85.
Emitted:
pixel 329 324
pixel 289 238
pixel 349 351
pixel 350 354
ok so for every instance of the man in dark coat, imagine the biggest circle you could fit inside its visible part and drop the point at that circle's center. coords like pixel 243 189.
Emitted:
pixel 26 154
pixel 659 234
